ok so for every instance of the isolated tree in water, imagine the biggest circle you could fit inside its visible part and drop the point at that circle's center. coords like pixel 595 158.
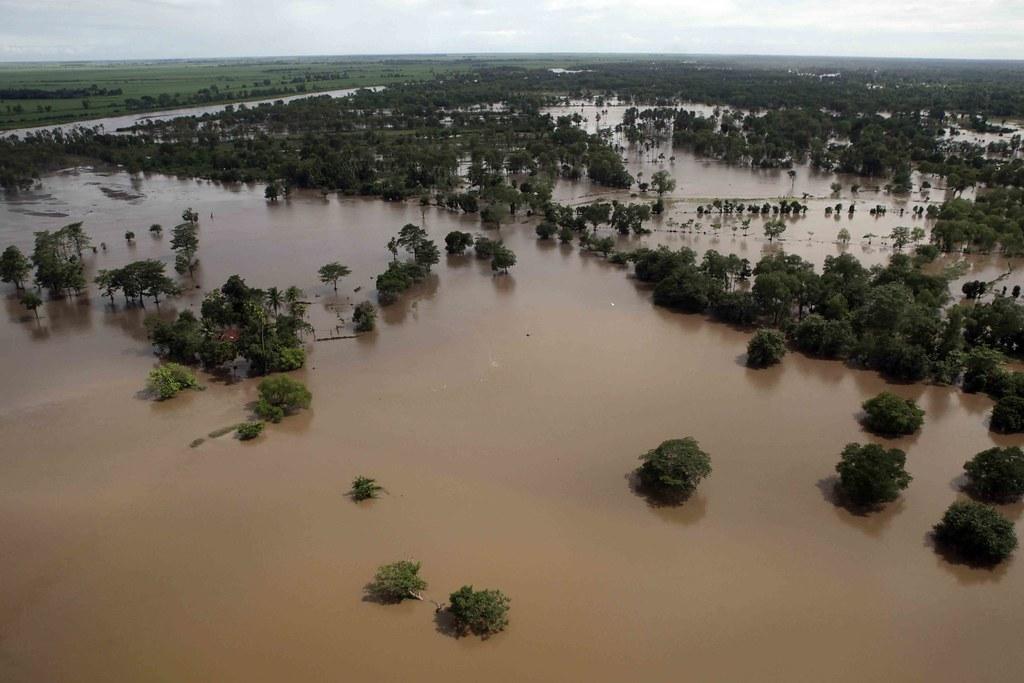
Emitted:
pixel 32 302
pixel 332 272
pixel 774 228
pixel 185 243
pixel 662 182
pixel 674 468
pixel 398 581
pixel 482 613
pixel 14 267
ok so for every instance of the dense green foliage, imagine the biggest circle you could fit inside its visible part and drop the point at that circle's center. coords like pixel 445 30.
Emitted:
pixel 247 431
pixel 456 242
pixel 766 347
pixel 889 415
pixel 365 316
pixel 237 321
pixel 480 612
pixel 870 474
pixel 1008 415
pixel 397 581
pixel 674 468
pixel 976 532
pixel 997 473
pixel 14 267
pixel 364 488
pixel 890 318
pixel 281 395
pixel 165 381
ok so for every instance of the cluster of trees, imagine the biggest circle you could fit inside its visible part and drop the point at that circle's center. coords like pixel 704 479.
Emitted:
pixel 994 220
pixel 137 280
pixel 401 275
pixel 57 258
pixel 889 318
pixel 480 612
pixel 264 327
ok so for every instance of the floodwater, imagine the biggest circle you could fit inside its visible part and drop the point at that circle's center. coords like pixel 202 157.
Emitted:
pixel 503 415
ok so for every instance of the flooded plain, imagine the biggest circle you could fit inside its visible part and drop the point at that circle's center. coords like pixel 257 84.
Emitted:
pixel 503 414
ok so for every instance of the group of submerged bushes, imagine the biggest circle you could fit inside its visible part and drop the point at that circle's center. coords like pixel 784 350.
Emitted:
pixel 871 475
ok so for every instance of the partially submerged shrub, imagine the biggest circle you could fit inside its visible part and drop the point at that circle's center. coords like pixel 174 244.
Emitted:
pixel 675 467
pixel 281 395
pixel 870 474
pixel 249 430
pixel 364 488
pixel 766 347
pixel 365 317
pixel 889 415
pixel 483 612
pixel 997 473
pixel 397 581
pixel 168 379
pixel 976 532
pixel 1008 415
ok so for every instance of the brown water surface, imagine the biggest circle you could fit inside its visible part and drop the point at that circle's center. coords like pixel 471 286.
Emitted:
pixel 503 415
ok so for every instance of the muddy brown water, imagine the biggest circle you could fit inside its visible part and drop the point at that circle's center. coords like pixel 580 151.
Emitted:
pixel 503 415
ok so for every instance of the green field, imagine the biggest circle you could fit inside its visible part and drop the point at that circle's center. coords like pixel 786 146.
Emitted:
pixel 167 84
pixel 151 86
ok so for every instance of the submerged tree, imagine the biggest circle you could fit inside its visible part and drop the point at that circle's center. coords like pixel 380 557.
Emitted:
pixel 502 258
pixel 332 272
pixel 480 612
pixel 397 581
pixel 870 475
pixel 674 468
pixel 889 415
pixel 365 317
pixel 997 473
pixel 185 244
pixel 14 267
pixel 976 532
pixel 167 380
pixel 280 396
pixel 766 347
pixel 32 302
pixel 662 182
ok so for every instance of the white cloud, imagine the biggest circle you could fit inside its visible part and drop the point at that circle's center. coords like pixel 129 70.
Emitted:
pixel 40 29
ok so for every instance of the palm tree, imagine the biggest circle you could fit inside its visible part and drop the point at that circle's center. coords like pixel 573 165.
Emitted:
pixel 274 299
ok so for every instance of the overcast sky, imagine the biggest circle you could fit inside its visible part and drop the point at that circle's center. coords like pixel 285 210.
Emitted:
pixel 144 29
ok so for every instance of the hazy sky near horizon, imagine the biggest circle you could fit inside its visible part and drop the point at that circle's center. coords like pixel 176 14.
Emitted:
pixel 148 29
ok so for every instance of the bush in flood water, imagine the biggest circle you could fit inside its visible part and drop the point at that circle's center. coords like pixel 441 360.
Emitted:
pixel 766 347
pixel 170 378
pixel 674 468
pixel 502 258
pixel 870 474
pixel 976 532
pixel 396 279
pixel 1008 415
pixel 456 242
pixel 997 473
pixel 889 415
pixel 365 488
pixel 247 431
pixel 483 612
pixel 280 396
pixel 365 317
pixel 397 581
pixel 546 230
